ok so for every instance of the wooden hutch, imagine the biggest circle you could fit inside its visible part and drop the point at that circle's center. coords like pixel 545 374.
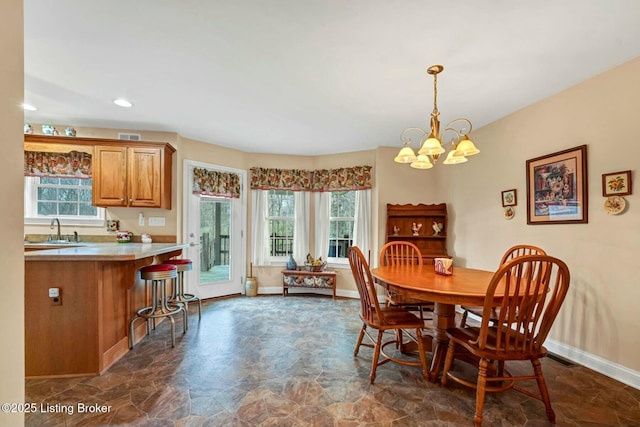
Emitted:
pixel 432 243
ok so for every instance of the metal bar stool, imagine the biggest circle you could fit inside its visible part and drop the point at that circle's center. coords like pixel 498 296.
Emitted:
pixel 160 306
pixel 177 291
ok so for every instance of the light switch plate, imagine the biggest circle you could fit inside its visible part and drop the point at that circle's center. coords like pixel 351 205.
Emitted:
pixel 156 221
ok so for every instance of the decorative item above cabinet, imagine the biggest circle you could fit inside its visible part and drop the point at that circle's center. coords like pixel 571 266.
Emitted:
pixel 125 174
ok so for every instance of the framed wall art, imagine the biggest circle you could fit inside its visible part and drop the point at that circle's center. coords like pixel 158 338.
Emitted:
pixel 557 188
pixel 509 198
pixel 616 184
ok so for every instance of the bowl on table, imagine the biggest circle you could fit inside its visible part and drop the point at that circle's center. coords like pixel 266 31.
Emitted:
pixel 316 268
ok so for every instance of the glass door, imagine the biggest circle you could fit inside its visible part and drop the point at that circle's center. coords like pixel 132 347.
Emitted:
pixel 214 230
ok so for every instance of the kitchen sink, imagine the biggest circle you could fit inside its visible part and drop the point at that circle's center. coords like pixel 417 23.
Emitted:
pixel 66 243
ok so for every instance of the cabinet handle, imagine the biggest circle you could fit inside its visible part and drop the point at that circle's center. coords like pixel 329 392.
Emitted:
pixel 130 200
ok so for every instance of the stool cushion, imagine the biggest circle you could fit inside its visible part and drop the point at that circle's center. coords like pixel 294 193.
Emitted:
pixel 178 261
pixel 157 267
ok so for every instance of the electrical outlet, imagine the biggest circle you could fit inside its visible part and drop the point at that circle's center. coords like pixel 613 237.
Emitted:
pixel 156 221
pixel 54 296
pixel 141 219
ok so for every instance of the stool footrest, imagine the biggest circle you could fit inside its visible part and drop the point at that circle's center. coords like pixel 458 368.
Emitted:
pixel 148 312
pixel 184 298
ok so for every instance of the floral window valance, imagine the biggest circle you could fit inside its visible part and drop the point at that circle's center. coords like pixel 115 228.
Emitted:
pixel 74 164
pixel 340 179
pixel 215 183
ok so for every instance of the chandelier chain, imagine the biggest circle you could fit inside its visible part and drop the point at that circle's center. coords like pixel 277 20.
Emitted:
pixel 435 96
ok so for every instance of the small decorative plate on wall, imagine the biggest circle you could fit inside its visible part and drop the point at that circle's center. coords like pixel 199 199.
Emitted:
pixel 614 205
pixel 509 212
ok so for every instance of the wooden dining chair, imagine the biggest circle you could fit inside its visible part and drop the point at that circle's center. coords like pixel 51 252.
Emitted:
pixel 534 288
pixel 511 253
pixel 382 319
pixel 403 253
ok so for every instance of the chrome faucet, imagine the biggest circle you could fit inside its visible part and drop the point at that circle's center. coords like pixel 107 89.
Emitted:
pixel 53 221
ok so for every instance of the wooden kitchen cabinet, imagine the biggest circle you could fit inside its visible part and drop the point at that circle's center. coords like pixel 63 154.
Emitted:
pixel 125 174
pixel 132 176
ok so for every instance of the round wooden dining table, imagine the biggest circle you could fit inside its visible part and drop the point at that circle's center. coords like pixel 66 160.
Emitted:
pixel 464 287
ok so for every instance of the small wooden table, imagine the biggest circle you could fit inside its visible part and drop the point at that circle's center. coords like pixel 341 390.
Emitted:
pixel 466 287
pixel 309 280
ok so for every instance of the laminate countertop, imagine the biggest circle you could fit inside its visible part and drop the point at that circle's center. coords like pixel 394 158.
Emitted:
pixel 97 251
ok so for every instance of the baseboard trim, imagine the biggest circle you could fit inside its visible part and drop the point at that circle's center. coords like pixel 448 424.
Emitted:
pixel 596 363
pixel 277 290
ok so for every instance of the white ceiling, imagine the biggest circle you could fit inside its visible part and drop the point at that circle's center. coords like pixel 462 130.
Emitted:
pixel 310 76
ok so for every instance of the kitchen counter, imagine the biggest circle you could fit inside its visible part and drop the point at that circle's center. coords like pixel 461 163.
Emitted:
pixel 86 329
pixel 97 251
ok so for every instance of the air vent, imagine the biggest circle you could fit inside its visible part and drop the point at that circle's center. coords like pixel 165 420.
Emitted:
pixel 130 136
pixel 560 359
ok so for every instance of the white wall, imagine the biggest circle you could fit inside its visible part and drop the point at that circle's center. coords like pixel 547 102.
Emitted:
pixel 11 250
pixel 599 321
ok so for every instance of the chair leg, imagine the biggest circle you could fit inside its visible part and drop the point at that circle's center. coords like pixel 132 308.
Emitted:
pixel 423 356
pixel 357 349
pixel 480 391
pixel 376 356
pixel 544 392
pixel 448 361
pixel 463 321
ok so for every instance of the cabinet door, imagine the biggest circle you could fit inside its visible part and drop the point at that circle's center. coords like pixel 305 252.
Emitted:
pixel 145 177
pixel 109 176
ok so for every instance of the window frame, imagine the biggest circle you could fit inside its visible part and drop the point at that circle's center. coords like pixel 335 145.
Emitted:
pixel 341 261
pixel 269 218
pixel 31 185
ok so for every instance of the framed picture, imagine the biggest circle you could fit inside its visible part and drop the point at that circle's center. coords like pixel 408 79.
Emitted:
pixel 509 198
pixel 616 184
pixel 557 188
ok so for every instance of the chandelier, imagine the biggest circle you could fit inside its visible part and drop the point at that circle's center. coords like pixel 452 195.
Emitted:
pixel 458 130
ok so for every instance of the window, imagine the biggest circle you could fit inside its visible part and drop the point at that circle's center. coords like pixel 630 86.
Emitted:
pixel 281 210
pixel 65 198
pixel 341 221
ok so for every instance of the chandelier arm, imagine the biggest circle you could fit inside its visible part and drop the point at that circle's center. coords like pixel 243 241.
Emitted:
pixel 407 141
pixel 464 130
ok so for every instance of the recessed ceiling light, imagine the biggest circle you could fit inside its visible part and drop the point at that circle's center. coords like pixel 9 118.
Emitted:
pixel 122 103
pixel 29 107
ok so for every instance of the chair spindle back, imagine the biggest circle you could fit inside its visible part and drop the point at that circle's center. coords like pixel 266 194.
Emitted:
pixel 521 250
pixel 400 253
pixel 535 288
pixel 369 305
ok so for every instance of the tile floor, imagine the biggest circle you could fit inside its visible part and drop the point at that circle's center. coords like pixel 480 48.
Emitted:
pixel 274 361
